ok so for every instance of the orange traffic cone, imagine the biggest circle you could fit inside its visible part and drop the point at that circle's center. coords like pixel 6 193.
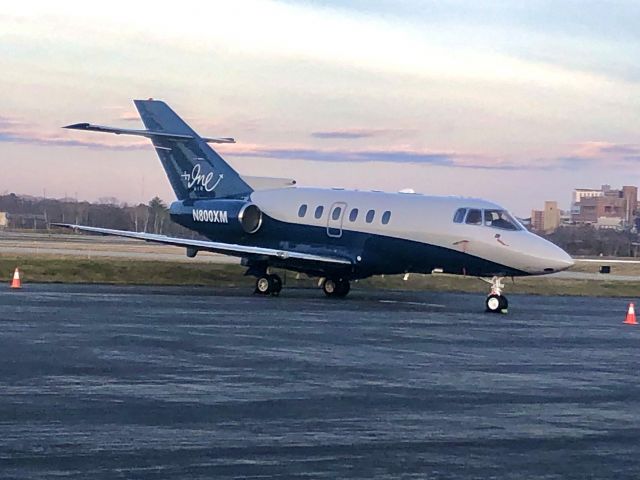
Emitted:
pixel 15 283
pixel 631 315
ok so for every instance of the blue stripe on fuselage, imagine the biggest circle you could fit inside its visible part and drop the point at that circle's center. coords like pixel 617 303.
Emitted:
pixel 380 254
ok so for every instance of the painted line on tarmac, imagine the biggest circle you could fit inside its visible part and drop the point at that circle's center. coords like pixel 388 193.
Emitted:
pixel 422 304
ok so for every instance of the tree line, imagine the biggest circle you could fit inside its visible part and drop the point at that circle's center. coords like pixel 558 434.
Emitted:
pixel 587 240
pixel 25 212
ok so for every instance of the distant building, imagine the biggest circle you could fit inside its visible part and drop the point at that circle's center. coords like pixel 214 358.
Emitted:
pixel 612 223
pixel 630 196
pixel 605 208
pixel 547 220
pixel 4 221
pixel 580 193
pixel 537 220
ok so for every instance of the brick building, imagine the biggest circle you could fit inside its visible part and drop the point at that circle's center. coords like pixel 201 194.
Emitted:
pixel 547 220
pixel 606 208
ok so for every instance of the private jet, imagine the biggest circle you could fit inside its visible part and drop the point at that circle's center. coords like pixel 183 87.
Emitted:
pixel 334 234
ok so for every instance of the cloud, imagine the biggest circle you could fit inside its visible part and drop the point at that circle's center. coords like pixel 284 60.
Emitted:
pixel 122 114
pixel 129 117
pixel 597 155
pixel 14 130
pixel 608 152
pixel 576 162
pixel 585 155
pixel 624 150
pixel 379 42
pixel 348 155
pixel 7 123
pixel 60 141
pixel 353 133
pixel 388 155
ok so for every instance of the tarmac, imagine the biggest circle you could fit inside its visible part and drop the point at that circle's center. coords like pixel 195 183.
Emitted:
pixel 165 382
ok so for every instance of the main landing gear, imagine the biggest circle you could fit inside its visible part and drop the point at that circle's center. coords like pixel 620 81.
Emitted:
pixel 268 284
pixel 336 287
pixel 496 302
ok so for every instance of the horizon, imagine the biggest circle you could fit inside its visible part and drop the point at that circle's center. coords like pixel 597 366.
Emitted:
pixel 517 104
pixel 114 201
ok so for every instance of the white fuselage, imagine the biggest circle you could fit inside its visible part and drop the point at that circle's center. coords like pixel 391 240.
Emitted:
pixel 418 218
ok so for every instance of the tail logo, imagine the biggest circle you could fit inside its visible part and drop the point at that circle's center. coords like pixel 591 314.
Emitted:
pixel 201 182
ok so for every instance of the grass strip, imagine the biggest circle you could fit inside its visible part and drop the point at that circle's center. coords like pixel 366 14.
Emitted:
pixel 118 271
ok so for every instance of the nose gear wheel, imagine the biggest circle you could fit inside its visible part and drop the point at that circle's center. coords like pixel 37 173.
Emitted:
pixel 496 302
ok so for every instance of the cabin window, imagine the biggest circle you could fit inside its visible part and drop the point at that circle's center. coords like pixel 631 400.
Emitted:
pixel 353 215
pixel 500 219
pixel 459 215
pixel 386 216
pixel 474 217
pixel 370 215
pixel 336 213
pixel 302 211
pixel 319 211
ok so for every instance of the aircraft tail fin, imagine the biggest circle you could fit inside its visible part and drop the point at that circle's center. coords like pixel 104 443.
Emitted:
pixel 194 169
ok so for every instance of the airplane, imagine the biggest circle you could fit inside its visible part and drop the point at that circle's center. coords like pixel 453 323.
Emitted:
pixel 334 234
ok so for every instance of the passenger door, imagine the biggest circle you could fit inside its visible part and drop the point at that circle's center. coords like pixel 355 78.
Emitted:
pixel 334 222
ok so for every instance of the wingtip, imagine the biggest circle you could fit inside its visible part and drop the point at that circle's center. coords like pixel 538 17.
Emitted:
pixel 77 126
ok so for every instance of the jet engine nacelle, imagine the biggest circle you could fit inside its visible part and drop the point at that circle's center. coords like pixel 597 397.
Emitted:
pixel 218 216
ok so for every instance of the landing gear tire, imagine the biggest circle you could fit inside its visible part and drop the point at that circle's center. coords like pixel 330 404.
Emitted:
pixel 276 285
pixel 338 288
pixel 268 285
pixel 496 303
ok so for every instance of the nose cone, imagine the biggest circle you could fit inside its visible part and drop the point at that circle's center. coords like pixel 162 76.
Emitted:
pixel 551 258
pixel 561 260
pixel 541 257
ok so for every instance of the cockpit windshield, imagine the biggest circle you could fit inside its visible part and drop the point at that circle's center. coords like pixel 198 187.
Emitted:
pixel 500 219
pixel 490 217
pixel 474 217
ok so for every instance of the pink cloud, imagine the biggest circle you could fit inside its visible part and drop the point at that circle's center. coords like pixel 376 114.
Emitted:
pixel 608 150
pixel 356 133
pixel 390 154
pixel 14 130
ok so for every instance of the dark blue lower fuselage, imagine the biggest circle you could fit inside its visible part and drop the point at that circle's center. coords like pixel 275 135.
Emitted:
pixel 370 254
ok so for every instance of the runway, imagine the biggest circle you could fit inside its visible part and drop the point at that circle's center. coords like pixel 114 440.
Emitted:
pixel 163 382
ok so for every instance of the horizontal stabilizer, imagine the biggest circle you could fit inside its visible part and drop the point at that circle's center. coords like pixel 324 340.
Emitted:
pixel 144 133
pixel 194 169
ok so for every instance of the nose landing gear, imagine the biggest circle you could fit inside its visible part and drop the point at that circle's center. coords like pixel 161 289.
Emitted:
pixel 496 302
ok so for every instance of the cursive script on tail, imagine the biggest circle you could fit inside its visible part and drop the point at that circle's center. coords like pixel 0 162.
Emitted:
pixel 201 181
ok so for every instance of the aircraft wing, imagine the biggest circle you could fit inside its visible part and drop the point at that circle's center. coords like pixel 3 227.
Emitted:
pixel 217 247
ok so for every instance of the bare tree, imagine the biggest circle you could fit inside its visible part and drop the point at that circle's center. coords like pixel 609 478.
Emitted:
pixel 159 212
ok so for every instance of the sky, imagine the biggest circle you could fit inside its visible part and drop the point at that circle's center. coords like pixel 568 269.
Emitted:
pixel 515 102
